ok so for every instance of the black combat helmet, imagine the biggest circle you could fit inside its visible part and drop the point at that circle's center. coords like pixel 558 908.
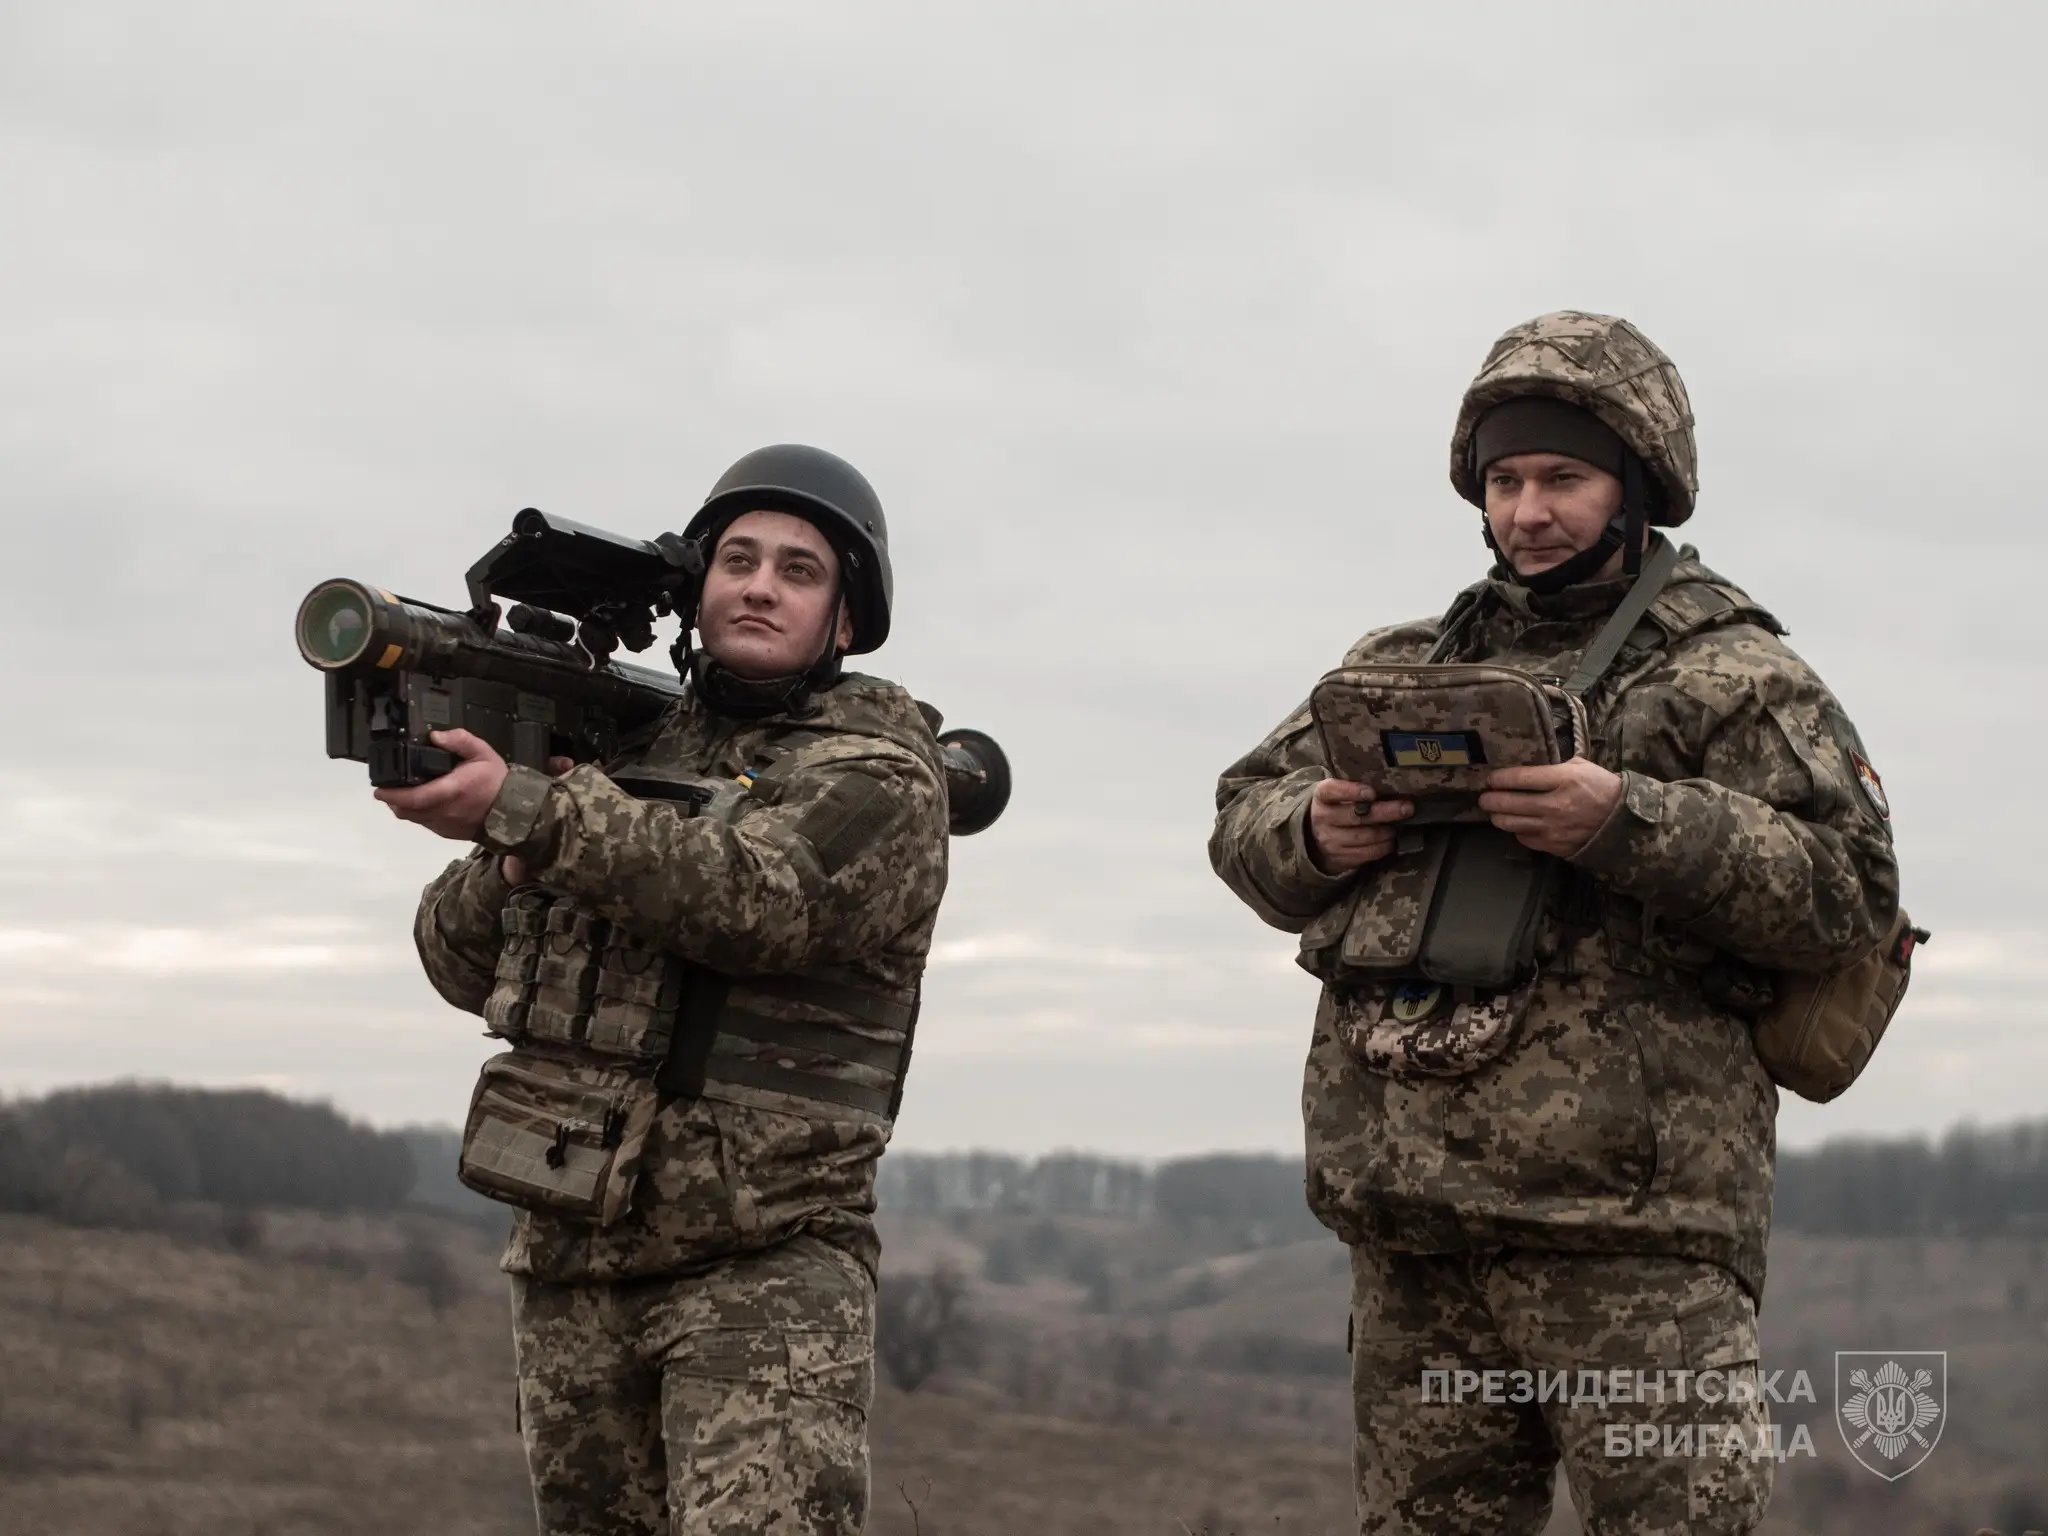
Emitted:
pixel 828 492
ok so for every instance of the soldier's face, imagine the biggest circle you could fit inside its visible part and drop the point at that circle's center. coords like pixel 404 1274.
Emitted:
pixel 771 588
pixel 1545 507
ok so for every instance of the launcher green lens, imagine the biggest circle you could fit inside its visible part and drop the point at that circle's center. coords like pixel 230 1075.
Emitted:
pixel 334 624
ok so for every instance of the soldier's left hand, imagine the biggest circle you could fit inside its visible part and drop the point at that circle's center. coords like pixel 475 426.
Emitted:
pixel 1555 808
pixel 513 867
pixel 455 804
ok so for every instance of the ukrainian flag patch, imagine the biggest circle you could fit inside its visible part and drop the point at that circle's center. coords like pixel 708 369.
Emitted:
pixel 1432 749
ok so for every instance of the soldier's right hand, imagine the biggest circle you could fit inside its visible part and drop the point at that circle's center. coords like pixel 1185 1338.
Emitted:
pixel 1348 828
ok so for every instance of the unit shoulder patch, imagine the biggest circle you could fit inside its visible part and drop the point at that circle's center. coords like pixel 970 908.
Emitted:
pixel 1868 784
pixel 1871 785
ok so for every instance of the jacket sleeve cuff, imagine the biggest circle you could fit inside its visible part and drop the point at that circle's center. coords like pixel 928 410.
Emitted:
pixel 1663 844
pixel 1304 877
pixel 1614 850
pixel 520 820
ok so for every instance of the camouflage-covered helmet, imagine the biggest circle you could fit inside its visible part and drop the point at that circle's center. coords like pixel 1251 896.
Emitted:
pixel 1606 365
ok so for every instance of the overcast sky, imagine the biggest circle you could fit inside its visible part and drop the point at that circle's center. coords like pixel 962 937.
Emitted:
pixel 1147 321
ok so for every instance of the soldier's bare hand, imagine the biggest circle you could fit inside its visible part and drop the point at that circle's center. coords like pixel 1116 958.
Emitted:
pixel 454 805
pixel 1555 808
pixel 513 867
pixel 1348 829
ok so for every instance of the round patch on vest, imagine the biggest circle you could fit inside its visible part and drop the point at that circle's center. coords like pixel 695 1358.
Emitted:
pixel 1873 786
pixel 1414 1001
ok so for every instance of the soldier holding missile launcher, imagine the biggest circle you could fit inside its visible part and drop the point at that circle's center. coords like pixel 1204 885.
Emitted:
pixel 704 952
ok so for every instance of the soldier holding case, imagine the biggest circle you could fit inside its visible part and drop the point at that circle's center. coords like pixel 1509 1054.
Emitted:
pixel 1535 1104
pixel 705 955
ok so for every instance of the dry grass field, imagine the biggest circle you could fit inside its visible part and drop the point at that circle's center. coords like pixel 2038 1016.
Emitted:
pixel 334 1376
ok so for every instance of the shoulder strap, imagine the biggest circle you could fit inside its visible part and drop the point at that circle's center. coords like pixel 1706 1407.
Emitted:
pixel 1657 569
pixel 1463 606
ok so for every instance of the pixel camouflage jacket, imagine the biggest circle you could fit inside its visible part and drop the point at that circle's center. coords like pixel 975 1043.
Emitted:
pixel 780 889
pixel 1631 1114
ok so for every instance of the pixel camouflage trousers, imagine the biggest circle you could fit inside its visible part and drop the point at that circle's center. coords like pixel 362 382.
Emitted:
pixel 733 1401
pixel 1442 1453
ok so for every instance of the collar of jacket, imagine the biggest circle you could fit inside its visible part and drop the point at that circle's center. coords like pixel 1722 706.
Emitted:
pixel 1586 600
pixel 724 692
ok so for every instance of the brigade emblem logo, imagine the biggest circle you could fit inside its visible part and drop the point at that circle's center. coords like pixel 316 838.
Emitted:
pixel 1890 1417
pixel 1414 1001
pixel 1873 786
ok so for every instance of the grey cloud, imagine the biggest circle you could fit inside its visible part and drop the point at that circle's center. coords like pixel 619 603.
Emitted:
pixel 1149 322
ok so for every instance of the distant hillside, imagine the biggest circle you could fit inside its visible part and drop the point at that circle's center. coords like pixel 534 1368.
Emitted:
pixel 1094 1345
pixel 124 1154
pixel 1252 1199
pixel 148 1154
pixel 1970 1183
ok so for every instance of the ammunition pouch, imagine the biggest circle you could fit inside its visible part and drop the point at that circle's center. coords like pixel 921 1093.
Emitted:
pixel 607 1027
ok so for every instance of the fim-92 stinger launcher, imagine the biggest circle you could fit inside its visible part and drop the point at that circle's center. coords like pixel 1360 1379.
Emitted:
pixel 544 685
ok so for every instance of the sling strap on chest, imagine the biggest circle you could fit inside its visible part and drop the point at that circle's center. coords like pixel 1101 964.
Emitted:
pixel 1646 589
pixel 1659 561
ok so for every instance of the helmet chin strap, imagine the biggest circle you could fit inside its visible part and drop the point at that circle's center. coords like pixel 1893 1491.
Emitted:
pixel 1624 531
pixel 744 698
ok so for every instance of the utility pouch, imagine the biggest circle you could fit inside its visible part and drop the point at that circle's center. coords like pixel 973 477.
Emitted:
pixel 1460 905
pixel 1489 902
pixel 560 1136
pixel 1429 1029
pixel 1433 733
pixel 1377 929
pixel 635 1005
pixel 1821 1027
pixel 564 989
pixel 525 924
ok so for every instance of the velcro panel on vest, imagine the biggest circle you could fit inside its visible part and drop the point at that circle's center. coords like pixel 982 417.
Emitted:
pixel 771 772
pixel 852 814
pixel 1482 925
pixel 519 1157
